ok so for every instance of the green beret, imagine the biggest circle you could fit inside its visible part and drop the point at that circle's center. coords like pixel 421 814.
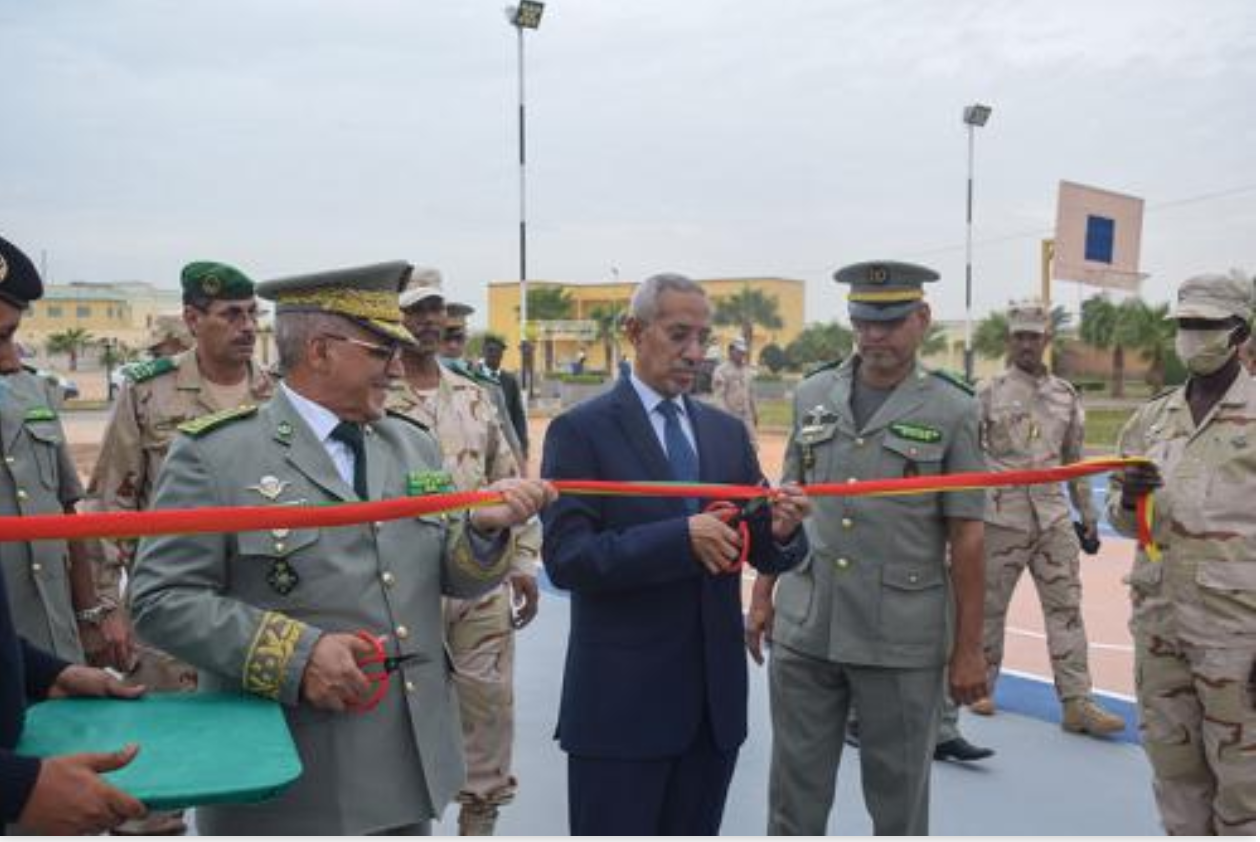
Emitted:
pixel 207 279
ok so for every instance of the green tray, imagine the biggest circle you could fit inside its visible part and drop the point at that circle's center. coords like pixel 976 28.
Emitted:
pixel 195 748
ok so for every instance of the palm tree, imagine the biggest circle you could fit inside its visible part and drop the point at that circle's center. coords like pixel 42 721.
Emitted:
pixel 608 320
pixel 935 342
pixel 70 342
pixel 989 340
pixel 549 304
pixel 747 309
pixel 1150 332
pixel 818 343
pixel 1099 319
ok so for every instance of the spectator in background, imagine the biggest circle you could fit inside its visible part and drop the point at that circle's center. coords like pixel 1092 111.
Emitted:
pixel 733 386
pixel 492 350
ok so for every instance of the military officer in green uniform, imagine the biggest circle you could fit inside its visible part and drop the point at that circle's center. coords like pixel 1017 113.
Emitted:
pixel 49 583
pixel 865 622
pixel 276 613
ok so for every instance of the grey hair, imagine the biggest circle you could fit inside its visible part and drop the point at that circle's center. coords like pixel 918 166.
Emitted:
pixel 295 329
pixel 647 297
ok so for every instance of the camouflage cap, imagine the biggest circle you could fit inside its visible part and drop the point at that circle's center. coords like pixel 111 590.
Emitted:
pixel 1027 317
pixel 169 327
pixel 457 314
pixel 884 290
pixel 367 295
pixel 425 283
pixel 1214 297
pixel 20 283
pixel 208 279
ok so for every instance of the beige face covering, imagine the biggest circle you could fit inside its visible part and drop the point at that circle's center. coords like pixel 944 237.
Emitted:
pixel 1204 351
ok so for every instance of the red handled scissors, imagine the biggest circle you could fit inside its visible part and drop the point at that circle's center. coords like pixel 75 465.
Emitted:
pixel 736 517
pixel 378 667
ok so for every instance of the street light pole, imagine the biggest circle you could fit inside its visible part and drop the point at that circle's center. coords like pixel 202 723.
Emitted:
pixel 973 115
pixel 526 15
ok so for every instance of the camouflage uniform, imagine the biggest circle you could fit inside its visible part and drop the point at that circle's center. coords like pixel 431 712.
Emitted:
pixel 733 391
pixel 156 398
pixel 1032 423
pixel 1194 611
pixel 476 453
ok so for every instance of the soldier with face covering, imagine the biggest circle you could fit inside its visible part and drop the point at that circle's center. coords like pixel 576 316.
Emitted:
pixel 1194 594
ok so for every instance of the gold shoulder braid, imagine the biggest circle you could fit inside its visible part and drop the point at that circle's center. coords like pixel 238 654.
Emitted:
pixel 269 655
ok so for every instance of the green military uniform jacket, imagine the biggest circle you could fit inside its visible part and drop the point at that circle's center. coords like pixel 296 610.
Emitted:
pixel 247 608
pixel 874 589
pixel 38 478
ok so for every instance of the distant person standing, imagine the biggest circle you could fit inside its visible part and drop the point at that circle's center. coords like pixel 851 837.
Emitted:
pixel 1032 420
pixel 1194 607
pixel 492 358
pixel 733 386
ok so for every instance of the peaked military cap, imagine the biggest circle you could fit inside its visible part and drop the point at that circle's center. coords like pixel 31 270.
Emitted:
pixel 1027 317
pixel 20 283
pixel 457 314
pixel 1215 297
pixel 208 279
pixel 884 290
pixel 367 295
pixel 425 283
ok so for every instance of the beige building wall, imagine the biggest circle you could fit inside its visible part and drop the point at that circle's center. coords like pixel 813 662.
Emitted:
pixel 573 337
pixel 122 312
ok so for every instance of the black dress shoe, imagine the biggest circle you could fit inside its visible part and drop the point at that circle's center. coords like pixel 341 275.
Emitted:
pixel 959 749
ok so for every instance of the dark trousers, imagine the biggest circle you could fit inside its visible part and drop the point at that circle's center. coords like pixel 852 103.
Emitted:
pixel 672 796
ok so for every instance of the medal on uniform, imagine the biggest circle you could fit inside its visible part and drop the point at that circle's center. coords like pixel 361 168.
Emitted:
pixel 282 577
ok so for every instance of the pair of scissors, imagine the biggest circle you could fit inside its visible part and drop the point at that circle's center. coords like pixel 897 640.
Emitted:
pixel 737 517
pixel 377 667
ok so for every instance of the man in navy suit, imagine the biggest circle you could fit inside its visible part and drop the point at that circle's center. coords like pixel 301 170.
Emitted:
pixel 654 704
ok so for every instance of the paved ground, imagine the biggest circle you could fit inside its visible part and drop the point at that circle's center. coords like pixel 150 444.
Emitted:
pixel 1042 781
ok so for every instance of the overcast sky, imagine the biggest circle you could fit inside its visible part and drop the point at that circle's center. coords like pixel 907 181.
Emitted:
pixel 713 138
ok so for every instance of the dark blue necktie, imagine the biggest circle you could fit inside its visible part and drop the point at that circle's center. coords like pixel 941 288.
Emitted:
pixel 351 435
pixel 683 462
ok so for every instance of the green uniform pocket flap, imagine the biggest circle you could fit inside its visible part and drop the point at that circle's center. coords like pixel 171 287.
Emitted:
pixel 913 578
pixel 914 451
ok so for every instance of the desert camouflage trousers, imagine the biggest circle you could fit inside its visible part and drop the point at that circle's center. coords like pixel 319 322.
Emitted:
pixel 1198 718
pixel 1052 556
pixel 479 633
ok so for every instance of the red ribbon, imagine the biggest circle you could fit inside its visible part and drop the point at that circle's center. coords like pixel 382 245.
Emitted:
pixel 250 518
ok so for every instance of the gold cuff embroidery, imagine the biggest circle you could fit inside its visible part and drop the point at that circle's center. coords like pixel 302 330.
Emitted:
pixel 270 653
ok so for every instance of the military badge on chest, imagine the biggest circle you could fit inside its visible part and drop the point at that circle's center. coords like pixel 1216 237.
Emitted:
pixel 819 426
pixel 283 576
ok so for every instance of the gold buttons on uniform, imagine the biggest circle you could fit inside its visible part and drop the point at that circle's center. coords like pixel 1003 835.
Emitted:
pixel 388 579
pixel 842 563
pixel 847 522
pixel 36 567
pixel 914 577
pixel 852 479
pixel 21 494
pixel 411 686
pixel 279 546
pixel 9 460
pixel 402 633
pixel 859 441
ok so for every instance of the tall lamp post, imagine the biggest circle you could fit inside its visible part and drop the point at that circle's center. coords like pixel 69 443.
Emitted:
pixel 525 15
pixel 973 116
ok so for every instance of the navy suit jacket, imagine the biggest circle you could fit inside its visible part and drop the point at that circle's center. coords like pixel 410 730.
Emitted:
pixel 655 639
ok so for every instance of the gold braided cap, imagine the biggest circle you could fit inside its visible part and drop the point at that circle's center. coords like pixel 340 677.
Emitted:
pixel 891 296
pixel 367 294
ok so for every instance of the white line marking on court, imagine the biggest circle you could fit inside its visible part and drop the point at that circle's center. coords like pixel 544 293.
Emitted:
pixel 1110 647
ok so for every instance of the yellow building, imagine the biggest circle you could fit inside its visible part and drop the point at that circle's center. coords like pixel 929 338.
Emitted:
pixel 121 311
pixel 560 343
